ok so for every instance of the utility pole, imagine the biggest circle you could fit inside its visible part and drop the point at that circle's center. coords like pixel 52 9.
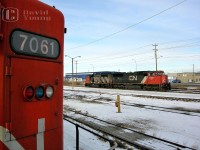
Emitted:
pixel 193 74
pixel 72 68
pixel 135 64
pixel 72 72
pixel 155 50
pixel 76 71
pixel 92 67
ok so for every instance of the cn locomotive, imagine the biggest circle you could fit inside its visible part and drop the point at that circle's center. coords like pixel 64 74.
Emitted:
pixel 147 80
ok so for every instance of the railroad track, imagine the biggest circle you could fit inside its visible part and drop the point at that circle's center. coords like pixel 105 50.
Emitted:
pixel 144 96
pixel 189 91
pixel 126 134
pixel 177 110
pixel 171 110
pixel 173 90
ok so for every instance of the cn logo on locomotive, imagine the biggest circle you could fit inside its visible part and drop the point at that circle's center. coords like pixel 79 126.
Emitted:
pixel 10 14
pixel 132 78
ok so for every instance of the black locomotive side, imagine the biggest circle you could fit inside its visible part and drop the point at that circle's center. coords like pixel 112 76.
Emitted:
pixel 131 80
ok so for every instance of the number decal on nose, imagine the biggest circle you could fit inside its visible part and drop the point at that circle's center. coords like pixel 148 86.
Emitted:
pixel 30 44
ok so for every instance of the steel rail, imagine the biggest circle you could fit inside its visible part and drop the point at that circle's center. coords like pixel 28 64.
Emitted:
pixel 150 136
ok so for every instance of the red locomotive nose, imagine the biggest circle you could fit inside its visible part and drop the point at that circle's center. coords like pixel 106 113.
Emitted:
pixel 34 94
pixel 164 79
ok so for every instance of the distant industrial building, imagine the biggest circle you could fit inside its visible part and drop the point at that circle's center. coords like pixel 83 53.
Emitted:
pixel 81 76
pixel 77 76
pixel 189 77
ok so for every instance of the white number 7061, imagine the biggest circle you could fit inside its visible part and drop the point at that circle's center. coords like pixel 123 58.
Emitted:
pixel 34 44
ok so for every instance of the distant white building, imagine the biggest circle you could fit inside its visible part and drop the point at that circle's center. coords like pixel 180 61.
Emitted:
pixel 172 76
pixel 77 76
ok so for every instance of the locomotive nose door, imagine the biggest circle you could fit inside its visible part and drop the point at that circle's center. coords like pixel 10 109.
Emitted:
pixel 31 111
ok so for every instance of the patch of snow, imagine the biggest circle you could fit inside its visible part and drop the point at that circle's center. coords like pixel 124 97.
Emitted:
pixel 179 128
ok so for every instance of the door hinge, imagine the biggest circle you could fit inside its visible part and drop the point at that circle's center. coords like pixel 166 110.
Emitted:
pixel 8 71
pixel 8 126
pixel 1 34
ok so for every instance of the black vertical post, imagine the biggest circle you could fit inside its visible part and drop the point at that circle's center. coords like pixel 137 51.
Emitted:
pixel 112 144
pixel 77 138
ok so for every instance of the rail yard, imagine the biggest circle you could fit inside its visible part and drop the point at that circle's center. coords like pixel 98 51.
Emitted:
pixel 130 97
pixel 148 119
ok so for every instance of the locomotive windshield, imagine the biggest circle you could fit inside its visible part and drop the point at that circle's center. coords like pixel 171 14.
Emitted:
pixel 159 73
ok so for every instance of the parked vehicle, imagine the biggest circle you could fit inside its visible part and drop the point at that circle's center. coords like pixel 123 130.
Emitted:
pixel 176 81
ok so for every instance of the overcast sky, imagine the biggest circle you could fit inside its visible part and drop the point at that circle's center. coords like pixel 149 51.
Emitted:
pixel 118 35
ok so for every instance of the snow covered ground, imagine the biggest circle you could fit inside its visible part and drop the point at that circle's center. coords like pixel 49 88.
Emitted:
pixel 180 128
pixel 87 140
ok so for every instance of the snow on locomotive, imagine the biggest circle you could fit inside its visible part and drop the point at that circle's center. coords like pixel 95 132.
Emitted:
pixel 148 80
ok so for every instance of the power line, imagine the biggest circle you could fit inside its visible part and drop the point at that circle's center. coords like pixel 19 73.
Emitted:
pixel 123 57
pixel 119 56
pixel 193 44
pixel 175 41
pixel 144 60
pixel 116 55
pixel 149 59
pixel 101 59
pixel 124 29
